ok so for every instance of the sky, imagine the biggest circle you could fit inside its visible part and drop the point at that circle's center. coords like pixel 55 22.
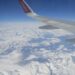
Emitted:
pixel 11 11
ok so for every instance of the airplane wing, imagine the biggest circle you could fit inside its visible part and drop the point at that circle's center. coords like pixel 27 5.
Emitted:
pixel 32 14
pixel 50 24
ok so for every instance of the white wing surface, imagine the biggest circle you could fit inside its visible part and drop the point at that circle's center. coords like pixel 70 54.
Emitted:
pixel 50 24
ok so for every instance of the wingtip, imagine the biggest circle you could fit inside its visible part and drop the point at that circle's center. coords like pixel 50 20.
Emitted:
pixel 25 6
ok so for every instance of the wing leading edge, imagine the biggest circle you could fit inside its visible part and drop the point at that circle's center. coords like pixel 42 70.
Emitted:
pixel 49 23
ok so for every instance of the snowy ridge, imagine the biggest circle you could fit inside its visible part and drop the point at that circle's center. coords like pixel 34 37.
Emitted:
pixel 27 50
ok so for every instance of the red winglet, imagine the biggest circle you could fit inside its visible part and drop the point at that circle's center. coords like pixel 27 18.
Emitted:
pixel 25 6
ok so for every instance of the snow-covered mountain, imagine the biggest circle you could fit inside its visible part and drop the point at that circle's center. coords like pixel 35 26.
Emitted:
pixel 27 50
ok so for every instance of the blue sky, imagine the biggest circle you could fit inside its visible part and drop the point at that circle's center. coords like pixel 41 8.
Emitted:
pixel 10 10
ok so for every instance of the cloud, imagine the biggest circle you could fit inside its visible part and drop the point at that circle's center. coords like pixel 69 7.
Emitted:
pixel 27 50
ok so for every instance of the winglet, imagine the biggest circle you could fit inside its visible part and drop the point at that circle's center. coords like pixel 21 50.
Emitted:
pixel 25 6
pixel 30 12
